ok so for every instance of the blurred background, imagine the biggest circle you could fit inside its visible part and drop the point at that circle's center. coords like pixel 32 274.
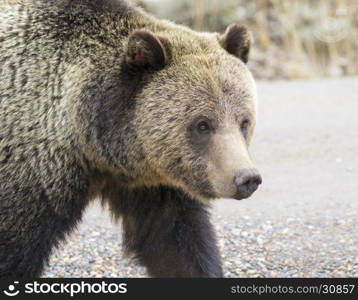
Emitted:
pixel 296 39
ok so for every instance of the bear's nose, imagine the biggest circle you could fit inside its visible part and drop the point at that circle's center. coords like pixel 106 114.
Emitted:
pixel 247 183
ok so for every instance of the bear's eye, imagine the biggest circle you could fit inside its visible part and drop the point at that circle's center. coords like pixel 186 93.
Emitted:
pixel 245 126
pixel 203 127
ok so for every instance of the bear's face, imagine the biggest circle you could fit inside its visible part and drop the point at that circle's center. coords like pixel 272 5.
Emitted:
pixel 196 113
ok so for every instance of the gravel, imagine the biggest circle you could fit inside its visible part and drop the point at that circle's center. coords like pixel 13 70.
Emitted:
pixel 290 247
pixel 303 221
pixel 94 251
pixel 249 248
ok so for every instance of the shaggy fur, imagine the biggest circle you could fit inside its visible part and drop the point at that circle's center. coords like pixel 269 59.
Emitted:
pixel 97 100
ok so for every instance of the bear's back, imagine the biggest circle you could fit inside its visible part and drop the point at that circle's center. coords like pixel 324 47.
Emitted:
pixel 30 81
pixel 37 54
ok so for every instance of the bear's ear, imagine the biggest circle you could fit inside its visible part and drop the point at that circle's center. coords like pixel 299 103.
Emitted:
pixel 237 41
pixel 146 51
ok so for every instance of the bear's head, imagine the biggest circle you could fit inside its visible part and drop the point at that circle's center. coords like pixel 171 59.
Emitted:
pixel 180 111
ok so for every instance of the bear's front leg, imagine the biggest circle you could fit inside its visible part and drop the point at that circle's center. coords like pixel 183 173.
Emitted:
pixel 170 234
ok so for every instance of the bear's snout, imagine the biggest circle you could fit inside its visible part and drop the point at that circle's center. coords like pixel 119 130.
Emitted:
pixel 246 183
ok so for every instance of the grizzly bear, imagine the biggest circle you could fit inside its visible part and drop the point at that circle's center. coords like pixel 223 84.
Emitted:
pixel 98 99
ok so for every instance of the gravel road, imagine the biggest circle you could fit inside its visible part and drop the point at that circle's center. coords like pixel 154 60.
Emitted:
pixel 302 222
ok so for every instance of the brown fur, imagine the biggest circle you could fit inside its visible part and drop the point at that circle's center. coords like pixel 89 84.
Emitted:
pixel 96 100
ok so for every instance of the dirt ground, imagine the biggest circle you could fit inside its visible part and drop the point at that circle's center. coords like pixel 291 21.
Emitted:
pixel 301 222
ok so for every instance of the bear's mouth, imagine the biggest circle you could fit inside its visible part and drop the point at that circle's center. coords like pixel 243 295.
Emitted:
pixel 202 191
